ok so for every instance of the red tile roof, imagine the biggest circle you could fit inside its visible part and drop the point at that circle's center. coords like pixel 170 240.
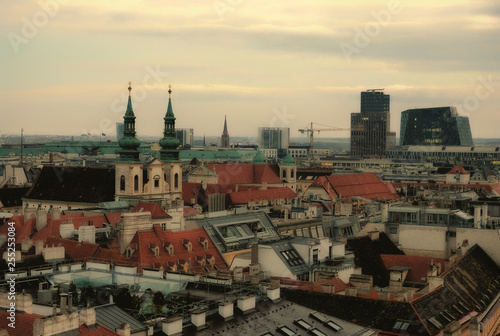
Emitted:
pixel 24 323
pixel 418 265
pixel 22 231
pixel 458 169
pixel 244 197
pixel 146 241
pixel 53 226
pixel 74 249
pixel 244 173
pixel 154 208
pixel 189 211
pixel 366 185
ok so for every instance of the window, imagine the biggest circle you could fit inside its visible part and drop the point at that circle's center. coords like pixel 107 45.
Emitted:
pixel 393 230
pixel 122 183
pixel 284 173
pixel 176 181
pixel 136 182
pixel 292 173
pixel 157 181
pixel 164 226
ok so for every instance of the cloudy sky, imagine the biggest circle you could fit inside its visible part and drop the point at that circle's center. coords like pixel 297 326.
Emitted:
pixel 65 64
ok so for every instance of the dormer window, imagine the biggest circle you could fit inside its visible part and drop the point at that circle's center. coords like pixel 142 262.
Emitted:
pixel 188 245
pixel 169 248
pixel 204 242
pixel 156 250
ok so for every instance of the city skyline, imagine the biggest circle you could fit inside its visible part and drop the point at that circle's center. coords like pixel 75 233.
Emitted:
pixel 66 64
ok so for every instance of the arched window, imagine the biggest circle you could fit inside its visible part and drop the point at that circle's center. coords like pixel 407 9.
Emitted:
pixel 157 181
pixel 122 182
pixel 284 173
pixel 176 181
pixel 136 182
pixel 291 173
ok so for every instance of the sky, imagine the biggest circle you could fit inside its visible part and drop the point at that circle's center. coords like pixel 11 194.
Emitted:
pixel 65 64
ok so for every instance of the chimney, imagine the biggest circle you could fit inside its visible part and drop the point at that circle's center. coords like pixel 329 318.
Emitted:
pixel 453 329
pixel 246 303
pixel 198 318
pixel 474 328
pixel 70 302
pixel 435 282
pixel 374 235
pixel 123 329
pixel 274 293
pixel 484 214
pixel 477 216
pixel 172 325
pixel 87 316
pixel 64 300
pixel 255 253
pixel 226 310
pixel 41 219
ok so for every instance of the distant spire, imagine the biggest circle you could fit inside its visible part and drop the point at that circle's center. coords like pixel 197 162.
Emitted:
pixel 129 88
pixel 204 140
pixel 224 141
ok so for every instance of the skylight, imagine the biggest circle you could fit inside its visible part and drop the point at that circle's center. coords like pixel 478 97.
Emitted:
pixel 287 331
pixel 303 324
pixel 333 325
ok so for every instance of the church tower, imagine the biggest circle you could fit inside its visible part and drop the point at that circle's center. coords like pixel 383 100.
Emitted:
pixel 288 171
pixel 128 169
pixel 169 154
pixel 224 140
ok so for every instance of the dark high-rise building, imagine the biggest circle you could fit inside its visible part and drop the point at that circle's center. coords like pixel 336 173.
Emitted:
pixel 224 140
pixel 370 129
pixel 374 101
pixel 435 126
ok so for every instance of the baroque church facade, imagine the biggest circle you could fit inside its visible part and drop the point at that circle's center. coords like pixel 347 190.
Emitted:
pixel 157 181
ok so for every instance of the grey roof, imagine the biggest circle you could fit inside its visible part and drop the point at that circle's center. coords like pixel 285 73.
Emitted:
pixel 268 317
pixel 112 316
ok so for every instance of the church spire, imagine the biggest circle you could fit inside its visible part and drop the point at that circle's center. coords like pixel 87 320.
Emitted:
pixel 169 143
pixel 129 143
pixel 224 141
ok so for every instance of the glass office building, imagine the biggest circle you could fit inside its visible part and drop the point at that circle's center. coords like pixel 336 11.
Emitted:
pixel 435 126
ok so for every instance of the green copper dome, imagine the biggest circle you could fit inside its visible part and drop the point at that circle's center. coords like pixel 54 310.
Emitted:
pixel 288 160
pixel 169 143
pixel 259 158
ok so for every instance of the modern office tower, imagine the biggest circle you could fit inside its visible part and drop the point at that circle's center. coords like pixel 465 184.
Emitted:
pixel 185 136
pixel 120 130
pixel 276 138
pixel 370 129
pixel 375 101
pixel 224 139
pixel 435 126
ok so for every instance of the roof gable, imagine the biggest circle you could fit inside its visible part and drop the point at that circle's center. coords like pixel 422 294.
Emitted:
pixel 152 207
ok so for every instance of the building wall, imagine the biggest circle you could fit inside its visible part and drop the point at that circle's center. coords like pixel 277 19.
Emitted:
pixel 423 240
pixel 489 240
pixel 274 137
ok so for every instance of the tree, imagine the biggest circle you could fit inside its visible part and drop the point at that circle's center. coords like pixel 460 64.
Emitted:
pixel 158 301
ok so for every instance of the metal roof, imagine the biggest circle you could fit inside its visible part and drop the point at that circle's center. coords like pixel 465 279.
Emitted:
pixel 112 316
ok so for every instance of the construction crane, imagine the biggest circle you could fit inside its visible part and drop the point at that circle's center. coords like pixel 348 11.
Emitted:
pixel 310 130
pixel 373 90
